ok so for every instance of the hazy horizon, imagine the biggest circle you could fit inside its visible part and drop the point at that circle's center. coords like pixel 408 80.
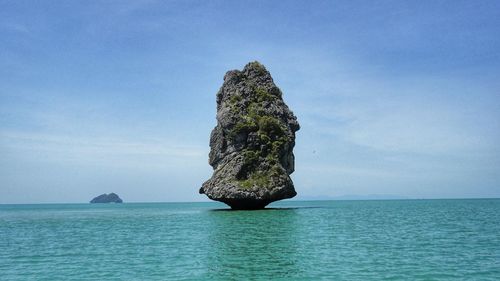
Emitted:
pixel 397 98
pixel 371 197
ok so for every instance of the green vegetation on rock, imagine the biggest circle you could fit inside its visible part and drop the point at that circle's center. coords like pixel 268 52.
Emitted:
pixel 257 66
pixel 270 126
pixel 235 99
pixel 263 95
pixel 261 179
pixel 250 157
pixel 258 179
pixel 245 126
pixel 271 133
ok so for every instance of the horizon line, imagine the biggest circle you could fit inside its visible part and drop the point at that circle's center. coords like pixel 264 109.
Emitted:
pixel 286 200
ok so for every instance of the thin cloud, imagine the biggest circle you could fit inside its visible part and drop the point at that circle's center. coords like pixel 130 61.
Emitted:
pixel 89 149
pixel 14 27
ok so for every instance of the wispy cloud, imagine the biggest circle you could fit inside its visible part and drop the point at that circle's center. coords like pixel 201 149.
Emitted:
pixel 408 113
pixel 102 150
pixel 14 27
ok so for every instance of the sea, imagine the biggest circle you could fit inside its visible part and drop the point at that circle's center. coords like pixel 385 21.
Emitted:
pixel 291 240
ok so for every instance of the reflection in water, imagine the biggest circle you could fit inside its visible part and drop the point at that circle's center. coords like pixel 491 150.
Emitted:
pixel 248 243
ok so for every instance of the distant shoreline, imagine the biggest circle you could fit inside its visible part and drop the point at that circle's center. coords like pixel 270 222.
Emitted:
pixel 290 200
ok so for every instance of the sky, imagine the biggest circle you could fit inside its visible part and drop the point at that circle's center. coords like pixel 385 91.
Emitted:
pixel 395 98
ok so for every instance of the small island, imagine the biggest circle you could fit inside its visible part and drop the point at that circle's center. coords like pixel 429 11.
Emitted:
pixel 107 198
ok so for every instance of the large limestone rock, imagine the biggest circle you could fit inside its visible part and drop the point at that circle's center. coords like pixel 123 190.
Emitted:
pixel 251 146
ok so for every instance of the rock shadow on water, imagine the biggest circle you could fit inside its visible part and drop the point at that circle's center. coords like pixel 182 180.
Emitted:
pixel 265 209
pixel 253 243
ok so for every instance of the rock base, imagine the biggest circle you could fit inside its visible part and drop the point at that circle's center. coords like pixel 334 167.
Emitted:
pixel 247 204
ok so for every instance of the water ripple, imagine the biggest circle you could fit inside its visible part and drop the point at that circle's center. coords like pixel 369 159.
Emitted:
pixel 319 240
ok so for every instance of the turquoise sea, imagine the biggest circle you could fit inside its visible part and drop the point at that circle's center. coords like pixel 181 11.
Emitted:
pixel 297 240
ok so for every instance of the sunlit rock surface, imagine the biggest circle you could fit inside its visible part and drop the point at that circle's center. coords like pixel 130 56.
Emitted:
pixel 252 144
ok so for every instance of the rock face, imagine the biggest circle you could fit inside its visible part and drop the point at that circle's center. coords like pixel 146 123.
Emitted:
pixel 251 146
pixel 107 198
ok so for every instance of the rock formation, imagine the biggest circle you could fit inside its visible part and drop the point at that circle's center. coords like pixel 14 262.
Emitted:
pixel 107 198
pixel 251 146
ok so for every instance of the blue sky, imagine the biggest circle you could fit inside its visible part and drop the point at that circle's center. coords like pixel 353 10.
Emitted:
pixel 394 98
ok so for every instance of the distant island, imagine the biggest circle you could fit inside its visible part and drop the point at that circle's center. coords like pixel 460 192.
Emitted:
pixel 107 198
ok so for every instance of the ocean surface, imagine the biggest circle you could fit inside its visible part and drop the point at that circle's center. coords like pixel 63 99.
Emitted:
pixel 297 240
